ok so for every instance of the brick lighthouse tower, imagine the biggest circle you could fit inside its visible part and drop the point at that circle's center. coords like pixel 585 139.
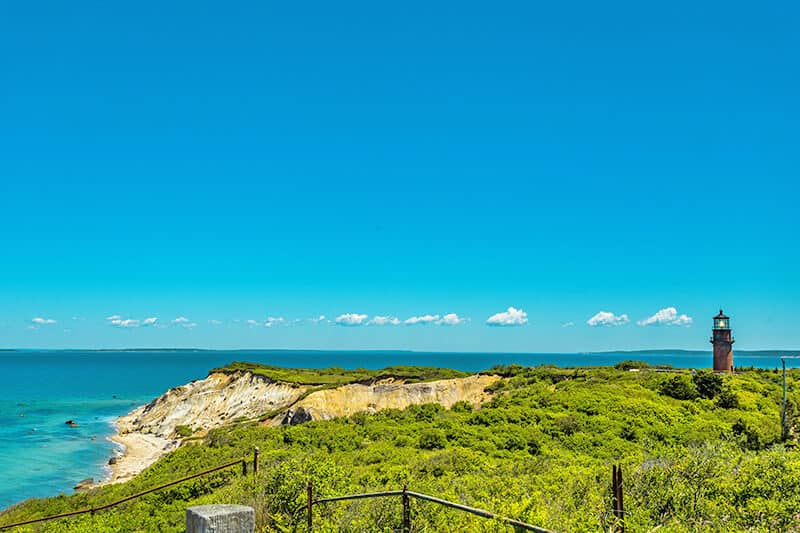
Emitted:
pixel 723 343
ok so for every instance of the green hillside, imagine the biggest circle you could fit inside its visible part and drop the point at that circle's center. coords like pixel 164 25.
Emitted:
pixel 698 453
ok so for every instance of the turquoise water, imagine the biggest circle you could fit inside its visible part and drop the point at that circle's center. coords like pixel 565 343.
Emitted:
pixel 40 455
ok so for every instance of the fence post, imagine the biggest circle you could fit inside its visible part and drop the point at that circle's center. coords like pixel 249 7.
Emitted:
pixel 309 504
pixel 406 511
pixel 619 499
pixel 255 461
pixel 244 467
pixel 616 497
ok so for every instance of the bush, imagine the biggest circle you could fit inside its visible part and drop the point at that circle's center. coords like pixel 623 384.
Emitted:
pixel 432 439
pixel 630 365
pixel 534 448
pixel 680 388
pixel 727 399
pixel 708 384
pixel 515 441
pixel 568 424
pixel 462 406
pixel 749 438
pixel 629 433
pixel 425 412
pixel 183 431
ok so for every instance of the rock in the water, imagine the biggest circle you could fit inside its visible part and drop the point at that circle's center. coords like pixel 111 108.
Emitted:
pixel 220 519
pixel 85 484
pixel 112 461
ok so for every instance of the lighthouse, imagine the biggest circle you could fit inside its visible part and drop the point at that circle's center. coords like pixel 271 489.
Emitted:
pixel 723 343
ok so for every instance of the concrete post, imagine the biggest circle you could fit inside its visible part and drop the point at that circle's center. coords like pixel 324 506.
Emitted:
pixel 220 519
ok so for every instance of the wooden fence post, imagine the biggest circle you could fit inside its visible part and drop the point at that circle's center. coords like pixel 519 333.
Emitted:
pixel 616 497
pixel 406 511
pixel 244 467
pixel 310 504
pixel 255 461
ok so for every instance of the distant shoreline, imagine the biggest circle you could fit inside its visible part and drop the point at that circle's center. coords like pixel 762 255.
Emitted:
pixel 659 351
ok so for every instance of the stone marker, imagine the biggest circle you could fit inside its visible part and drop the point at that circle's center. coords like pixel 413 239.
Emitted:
pixel 220 519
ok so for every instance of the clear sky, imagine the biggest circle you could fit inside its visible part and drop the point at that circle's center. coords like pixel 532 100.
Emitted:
pixel 230 162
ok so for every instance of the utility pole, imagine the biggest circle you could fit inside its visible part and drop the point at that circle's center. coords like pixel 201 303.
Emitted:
pixel 784 429
pixel 785 403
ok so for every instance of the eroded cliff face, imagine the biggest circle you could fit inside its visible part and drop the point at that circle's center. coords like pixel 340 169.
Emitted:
pixel 149 432
pixel 208 403
pixel 349 399
pixel 222 398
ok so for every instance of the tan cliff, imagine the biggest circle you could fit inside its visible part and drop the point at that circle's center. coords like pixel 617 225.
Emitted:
pixel 387 394
pixel 150 431
pixel 212 402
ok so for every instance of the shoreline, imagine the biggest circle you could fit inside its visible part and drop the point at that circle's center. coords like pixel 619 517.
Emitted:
pixel 137 451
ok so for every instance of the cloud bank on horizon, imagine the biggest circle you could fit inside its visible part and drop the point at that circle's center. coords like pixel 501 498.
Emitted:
pixel 358 319
pixel 120 322
pixel 511 317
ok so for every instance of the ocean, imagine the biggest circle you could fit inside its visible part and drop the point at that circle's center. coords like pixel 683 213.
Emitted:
pixel 41 455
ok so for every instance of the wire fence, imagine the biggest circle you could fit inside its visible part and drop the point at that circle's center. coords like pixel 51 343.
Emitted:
pixel 405 494
pixel 92 510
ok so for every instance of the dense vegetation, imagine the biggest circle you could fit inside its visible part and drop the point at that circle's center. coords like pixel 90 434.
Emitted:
pixel 699 452
pixel 340 376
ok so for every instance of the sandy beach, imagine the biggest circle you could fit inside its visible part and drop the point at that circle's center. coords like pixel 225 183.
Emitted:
pixel 139 451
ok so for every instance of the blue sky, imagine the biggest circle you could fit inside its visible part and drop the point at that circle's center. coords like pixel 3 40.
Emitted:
pixel 240 162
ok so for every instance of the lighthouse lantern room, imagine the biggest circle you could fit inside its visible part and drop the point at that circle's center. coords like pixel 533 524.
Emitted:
pixel 722 341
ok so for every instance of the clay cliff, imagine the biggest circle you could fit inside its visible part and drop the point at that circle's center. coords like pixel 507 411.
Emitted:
pixel 223 398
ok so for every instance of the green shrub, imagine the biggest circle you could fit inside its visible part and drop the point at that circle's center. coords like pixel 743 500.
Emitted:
pixel 679 387
pixel 708 383
pixel 727 399
pixel 631 365
pixel 432 439
pixel 462 406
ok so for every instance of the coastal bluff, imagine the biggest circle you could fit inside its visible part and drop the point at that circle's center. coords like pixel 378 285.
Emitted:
pixel 229 396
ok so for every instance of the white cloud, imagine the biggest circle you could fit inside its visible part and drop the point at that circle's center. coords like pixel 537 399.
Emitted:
pixel 215 322
pixel 351 319
pixel 384 321
pixel 319 319
pixel 451 319
pixel 511 317
pixel 421 320
pixel 275 321
pixel 118 321
pixel 39 321
pixel 668 316
pixel 183 322
pixel 606 318
pixel 126 323
pixel 568 324
pixel 252 322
